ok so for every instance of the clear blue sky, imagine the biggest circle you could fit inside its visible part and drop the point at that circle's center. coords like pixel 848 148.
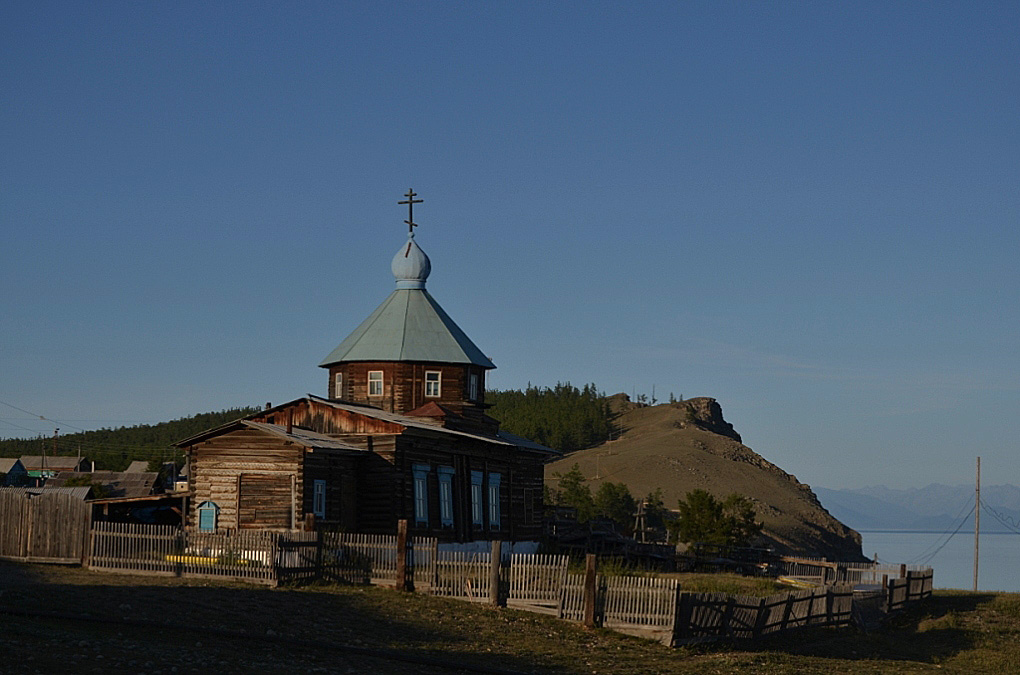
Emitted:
pixel 806 210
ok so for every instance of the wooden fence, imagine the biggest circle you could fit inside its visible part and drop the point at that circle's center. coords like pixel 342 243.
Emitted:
pixel 648 607
pixel 246 555
pixel 50 528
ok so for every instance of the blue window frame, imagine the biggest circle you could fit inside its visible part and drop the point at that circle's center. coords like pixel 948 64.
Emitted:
pixel 446 495
pixel 208 514
pixel 421 493
pixel 476 498
pixel 494 479
pixel 319 499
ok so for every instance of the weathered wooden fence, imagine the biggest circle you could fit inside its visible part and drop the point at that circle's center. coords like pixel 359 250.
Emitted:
pixel 247 555
pixel 648 607
pixel 702 616
pixel 43 527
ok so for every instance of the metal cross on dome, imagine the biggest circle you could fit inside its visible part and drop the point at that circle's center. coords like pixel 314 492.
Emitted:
pixel 411 201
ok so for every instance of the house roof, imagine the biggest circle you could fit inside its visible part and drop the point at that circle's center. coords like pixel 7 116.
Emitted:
pixel 53 462
pixel 303 437
pixel 117 483
pixel 501 438
pixel 7 463
pixel 138 466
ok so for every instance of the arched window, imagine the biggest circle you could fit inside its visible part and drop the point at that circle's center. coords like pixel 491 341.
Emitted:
pixel 208 514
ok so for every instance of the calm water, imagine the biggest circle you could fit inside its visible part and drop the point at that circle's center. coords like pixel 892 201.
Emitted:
pixel 998 570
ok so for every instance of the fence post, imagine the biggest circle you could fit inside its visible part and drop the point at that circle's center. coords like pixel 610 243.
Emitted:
pixel 589 590
pixel 903 571
pixel 759 622
pixel 495 560
pixel 401 555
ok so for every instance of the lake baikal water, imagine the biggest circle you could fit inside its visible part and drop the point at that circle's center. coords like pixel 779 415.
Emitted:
pixel 952 558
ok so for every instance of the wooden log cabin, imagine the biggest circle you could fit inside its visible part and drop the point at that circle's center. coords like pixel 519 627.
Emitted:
pixel 403 434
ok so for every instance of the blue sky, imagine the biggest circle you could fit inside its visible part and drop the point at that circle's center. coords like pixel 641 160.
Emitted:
pixel 805 210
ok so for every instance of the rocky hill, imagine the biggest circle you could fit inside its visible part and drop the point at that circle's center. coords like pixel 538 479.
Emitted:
pixel 679 447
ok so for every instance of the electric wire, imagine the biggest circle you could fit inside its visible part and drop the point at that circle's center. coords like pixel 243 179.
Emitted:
pixel 967 503
pixel 1005 520
pixel 924 560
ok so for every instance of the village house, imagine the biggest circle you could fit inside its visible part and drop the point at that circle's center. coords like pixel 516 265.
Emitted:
pixel 41 467
pixel 403 434
pixel 12 472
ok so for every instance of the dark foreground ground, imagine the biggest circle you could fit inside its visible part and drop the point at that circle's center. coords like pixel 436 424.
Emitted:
pixel 69 620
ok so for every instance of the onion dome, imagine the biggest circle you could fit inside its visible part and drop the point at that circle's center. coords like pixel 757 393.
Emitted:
pixel 410 265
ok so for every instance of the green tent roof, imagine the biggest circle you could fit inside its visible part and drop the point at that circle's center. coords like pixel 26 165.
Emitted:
pixel 408 326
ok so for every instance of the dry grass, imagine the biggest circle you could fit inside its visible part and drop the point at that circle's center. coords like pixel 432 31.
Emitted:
pixel 118 623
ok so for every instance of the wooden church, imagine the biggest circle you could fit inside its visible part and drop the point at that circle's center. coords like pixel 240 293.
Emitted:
pixel 402 434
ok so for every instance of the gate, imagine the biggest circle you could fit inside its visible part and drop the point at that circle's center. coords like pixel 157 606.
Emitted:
pixel 51 528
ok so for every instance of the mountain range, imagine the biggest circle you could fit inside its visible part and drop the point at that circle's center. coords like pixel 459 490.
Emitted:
pixel 934 508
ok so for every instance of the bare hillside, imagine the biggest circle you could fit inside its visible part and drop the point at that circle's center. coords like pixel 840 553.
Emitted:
pixel 683 446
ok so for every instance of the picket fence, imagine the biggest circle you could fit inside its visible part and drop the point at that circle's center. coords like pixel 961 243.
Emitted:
pixel 648 607
pixel 244 555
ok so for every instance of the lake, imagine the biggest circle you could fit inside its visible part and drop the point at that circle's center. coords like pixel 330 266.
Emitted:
pixel 998 569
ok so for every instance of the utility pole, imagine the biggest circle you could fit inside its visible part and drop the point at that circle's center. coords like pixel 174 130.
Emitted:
pixel 977 521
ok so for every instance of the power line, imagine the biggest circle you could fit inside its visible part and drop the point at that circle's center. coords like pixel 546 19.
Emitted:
pixel 922 559
pixel 1005 520
pixel 42 417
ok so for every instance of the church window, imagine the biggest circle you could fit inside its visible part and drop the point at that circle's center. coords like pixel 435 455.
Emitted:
pixel 421 494
pixel 208 513
pixel 319 499
pixel 476 498
pixel 446 496
pixel 432 383
pixel 375 383
pixel 473 387
pixel 494 500
pixel 338 385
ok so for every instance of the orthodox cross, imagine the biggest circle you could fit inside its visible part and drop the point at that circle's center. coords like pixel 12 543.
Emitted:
pixel 411 201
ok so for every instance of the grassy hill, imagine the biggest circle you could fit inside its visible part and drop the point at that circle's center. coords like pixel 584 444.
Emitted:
pixel 679 447
pixel 114 449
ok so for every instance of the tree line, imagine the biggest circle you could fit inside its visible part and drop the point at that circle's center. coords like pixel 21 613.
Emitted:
pixel 562 417
pixel 114 449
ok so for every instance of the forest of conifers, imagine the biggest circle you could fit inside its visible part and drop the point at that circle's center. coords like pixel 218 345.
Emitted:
pixel 562 417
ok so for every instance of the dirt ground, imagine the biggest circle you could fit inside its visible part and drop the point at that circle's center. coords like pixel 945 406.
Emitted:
pixel 65 619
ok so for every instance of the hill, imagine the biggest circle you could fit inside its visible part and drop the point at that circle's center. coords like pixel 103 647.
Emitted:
pixel 681 446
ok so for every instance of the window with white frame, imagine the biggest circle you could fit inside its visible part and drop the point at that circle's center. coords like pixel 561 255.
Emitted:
pixel 432 383
pixel 476 498
pixel 338 385
pixel 421 494
pixel 446 495
pixel 319 499
pixel 375 383
pixel 494 500
pixel 473 387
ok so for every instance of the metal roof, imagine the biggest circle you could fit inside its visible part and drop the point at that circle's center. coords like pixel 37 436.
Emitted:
pixel 303 437
pixel 53 462
pixel 403 420
pixel 408 326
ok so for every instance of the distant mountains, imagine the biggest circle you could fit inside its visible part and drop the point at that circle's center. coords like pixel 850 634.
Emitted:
pixel 937 508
